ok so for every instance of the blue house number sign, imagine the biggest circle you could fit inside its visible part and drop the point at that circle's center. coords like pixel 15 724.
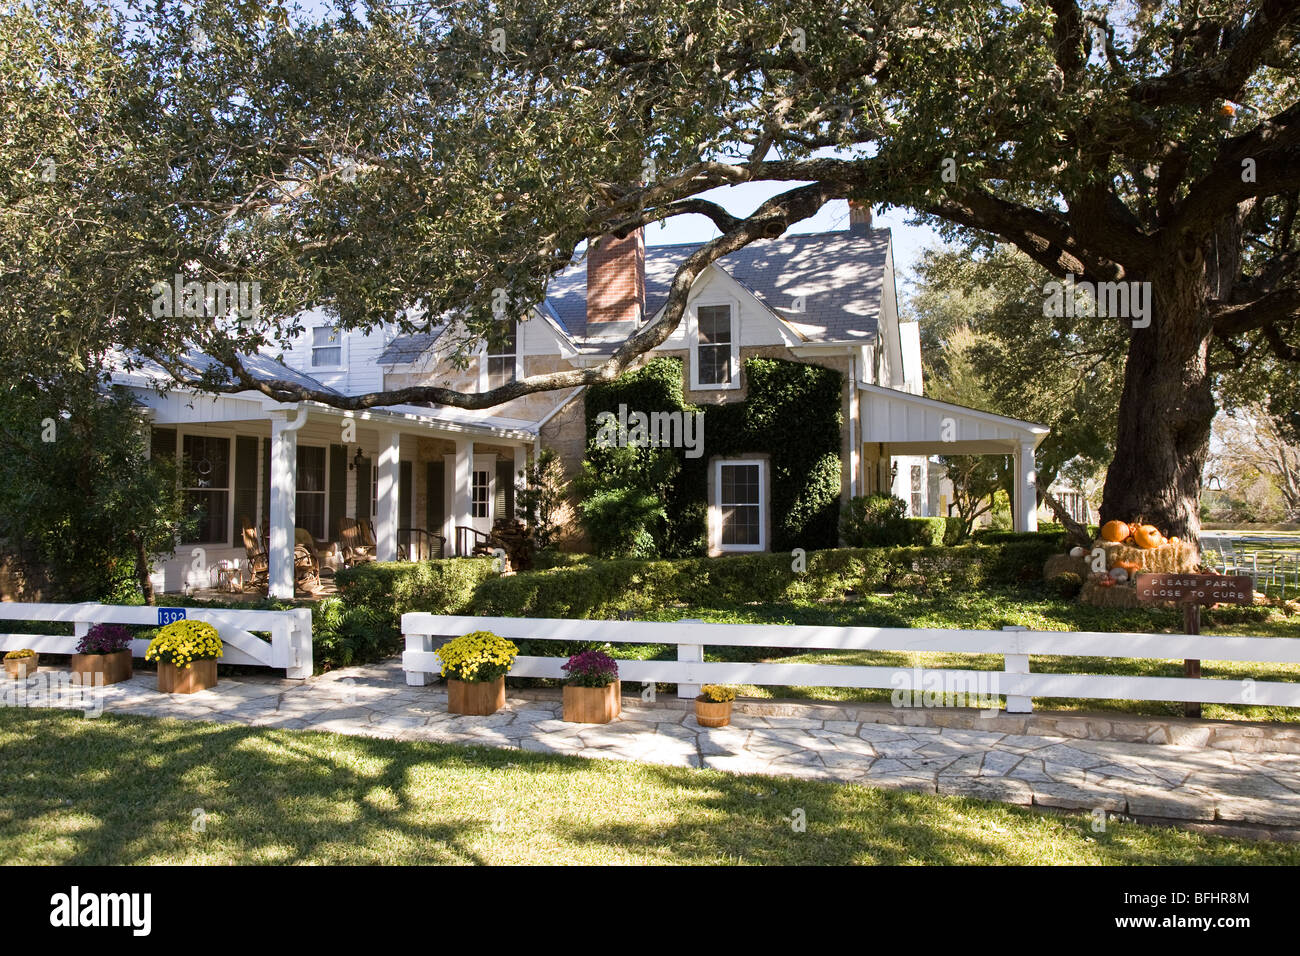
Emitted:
pixel 168 614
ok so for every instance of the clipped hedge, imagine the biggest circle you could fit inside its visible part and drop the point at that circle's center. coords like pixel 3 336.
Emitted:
pixel 604 589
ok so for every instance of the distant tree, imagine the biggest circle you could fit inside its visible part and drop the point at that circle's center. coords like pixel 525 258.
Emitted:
pixel 986 344
pixel 1257 463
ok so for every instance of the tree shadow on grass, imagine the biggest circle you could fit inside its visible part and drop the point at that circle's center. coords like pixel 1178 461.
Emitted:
pixel 123 789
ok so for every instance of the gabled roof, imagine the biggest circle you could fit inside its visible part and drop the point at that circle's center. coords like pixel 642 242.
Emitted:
pixel 839 275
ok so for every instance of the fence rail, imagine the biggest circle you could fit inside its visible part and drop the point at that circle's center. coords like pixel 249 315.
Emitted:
pixel 289 648
pixel 1015 681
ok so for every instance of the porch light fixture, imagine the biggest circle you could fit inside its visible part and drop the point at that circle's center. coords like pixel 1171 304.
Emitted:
pixel 357 459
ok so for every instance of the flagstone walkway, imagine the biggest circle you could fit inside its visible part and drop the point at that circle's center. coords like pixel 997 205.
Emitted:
pixel 1188 783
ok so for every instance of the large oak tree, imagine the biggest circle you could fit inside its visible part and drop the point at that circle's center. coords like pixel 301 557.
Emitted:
pixel 409 161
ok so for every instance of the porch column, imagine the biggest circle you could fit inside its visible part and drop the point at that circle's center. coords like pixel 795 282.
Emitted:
pixel 1026 515
pixel 462 490
pixel 284 491
pixel 521 464
pixel 388 487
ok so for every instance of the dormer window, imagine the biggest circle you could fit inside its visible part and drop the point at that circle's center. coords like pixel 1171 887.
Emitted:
pixel 326 348
pixel 714 350
pixel 501 360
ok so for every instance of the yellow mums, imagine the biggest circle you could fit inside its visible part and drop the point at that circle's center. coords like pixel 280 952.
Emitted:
pixel 477 657
pixel 184 642
pixel 718 693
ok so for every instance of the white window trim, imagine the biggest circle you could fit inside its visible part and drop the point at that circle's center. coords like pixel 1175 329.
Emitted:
pixel 483 358
pixel 693 341
pixel 339 336
pixel 715 506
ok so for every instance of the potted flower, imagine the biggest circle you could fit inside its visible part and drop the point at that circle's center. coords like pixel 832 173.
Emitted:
pixel 104 650
pixel 593 693
pixel 186 652
pixel 475 666
pixel 22 663
pixel 713 706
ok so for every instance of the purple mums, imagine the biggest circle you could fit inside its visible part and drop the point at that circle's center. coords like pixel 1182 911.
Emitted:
pixel 105 639
pixel 591 669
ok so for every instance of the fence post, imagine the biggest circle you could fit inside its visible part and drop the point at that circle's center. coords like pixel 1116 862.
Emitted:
pixel 418 642
pixel 1017 664
pixel 691 653
pixel 300 662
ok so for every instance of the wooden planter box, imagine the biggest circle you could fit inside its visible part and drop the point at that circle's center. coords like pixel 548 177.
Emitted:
pixel 593 705
pixel 21 668
pixel 710 713
pixel 200 675
pixel 115 667
pixel 479 698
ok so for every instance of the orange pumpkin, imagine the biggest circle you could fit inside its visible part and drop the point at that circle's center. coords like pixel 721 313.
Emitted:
pixel 1115 531
pixel 1147 536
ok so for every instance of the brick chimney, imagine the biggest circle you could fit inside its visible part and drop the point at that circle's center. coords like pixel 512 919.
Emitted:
pixel 859 218
pixel 616 283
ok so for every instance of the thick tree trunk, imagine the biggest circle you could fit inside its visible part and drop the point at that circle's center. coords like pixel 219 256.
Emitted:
pixel 1165 411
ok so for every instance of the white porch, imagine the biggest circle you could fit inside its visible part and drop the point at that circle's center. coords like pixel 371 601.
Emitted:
pixel 422 482
pixel 898 424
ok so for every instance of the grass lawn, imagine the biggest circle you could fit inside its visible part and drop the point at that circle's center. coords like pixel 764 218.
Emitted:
pixel 121 789
pixel 992 610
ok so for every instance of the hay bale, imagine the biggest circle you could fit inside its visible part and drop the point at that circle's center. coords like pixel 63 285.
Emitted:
pixel 1180 558
pixel 1118 595
pixel 1059 564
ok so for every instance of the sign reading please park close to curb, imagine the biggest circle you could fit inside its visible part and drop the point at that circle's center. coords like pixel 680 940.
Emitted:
pixel 1196 588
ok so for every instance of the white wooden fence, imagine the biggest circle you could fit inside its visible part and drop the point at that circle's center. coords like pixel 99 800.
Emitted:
pixel 1014 644
pixel 290 645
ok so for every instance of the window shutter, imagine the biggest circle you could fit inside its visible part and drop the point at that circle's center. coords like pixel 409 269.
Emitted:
pixel 504 504
pixel 338 505
pixel 245 486
pixel 435 512
pixel 405 495
pixel 363 490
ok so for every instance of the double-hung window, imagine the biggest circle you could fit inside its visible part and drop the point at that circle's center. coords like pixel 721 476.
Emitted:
pixel 502 356
pixel 326 347
pixel 713 345
pixel 740 489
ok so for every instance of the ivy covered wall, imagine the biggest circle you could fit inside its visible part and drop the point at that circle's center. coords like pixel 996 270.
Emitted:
pixel 791 413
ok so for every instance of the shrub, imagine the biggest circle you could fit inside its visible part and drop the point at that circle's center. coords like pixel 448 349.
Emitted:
pixel 104 639
pixel 183 642
pixel 875 521
pixel 1067 585
pixel 591 669
pixel 477 657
